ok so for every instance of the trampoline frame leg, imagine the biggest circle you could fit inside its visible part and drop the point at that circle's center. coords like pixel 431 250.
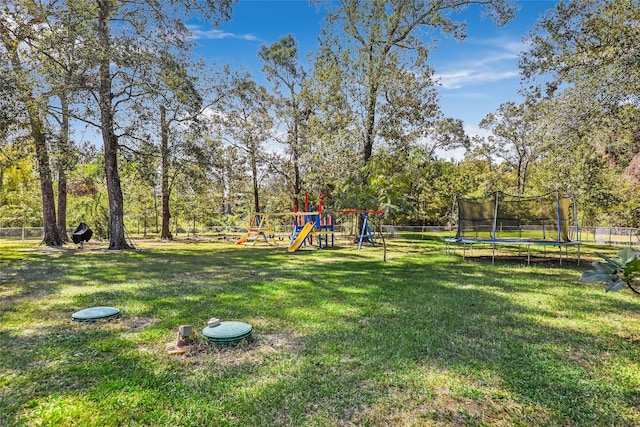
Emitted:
pixel 578 254
pixel 560 254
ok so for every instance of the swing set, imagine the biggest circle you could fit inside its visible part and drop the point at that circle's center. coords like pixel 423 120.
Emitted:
pixel 365 233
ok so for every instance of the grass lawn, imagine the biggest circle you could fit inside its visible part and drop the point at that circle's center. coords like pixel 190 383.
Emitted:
pixel 340 338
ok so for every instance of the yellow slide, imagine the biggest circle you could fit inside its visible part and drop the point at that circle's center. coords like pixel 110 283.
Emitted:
pixel 303 235
pixel 242 239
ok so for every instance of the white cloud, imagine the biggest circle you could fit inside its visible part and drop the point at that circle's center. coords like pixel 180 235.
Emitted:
pixel 504 43
pixel 470 96
pixel 496 58
pixel 458 153
pixel 463 77
pixel 491 60
pixel 215 34
pixel 472 130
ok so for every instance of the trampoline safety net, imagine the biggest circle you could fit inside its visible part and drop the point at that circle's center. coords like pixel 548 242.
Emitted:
pixel 500 216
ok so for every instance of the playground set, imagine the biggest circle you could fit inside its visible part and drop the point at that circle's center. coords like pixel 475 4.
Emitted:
pixel 307 225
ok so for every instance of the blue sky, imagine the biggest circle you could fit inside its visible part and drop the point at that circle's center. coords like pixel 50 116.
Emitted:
pixel 476 76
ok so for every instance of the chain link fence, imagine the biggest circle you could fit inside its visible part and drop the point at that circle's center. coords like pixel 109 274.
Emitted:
pixel 24 233
pixel 618 236
pixel 37 233
pixel 615 236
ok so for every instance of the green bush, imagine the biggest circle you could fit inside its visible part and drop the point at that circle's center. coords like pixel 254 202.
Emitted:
pixel 617 272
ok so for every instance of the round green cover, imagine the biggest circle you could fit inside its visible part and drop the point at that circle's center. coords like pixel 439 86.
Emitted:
pixel 95 313
pixel 227 332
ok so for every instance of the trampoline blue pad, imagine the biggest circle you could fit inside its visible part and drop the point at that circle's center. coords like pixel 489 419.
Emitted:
pixel 521 242
pixel 95 313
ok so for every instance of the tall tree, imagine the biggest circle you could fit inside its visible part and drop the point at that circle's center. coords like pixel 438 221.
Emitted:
pixel 64 69
pixel 50 49
pixel 19 26
pixel 587 51
pixel 583 60
pixel 281 68
pixel 106 99
pixel 378 51
pixel 515 139
pixel 186 92
pixel 247 125
pixel 127 32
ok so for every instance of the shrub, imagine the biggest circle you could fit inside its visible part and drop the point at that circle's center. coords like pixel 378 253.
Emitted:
pixel 617 272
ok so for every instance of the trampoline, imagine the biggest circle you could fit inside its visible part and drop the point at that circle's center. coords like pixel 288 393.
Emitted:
pixel 500 219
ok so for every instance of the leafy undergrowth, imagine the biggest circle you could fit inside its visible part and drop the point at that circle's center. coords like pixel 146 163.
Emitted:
pixel 340 338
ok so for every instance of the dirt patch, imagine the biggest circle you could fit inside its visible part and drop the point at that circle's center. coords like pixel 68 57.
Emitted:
pixel 137 324
pixel 250 350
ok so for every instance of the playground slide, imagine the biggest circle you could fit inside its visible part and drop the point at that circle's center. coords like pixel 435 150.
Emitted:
pixel 242 239
pixel 304 233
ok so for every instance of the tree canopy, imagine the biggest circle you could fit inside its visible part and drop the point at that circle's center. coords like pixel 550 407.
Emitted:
pixel 357 123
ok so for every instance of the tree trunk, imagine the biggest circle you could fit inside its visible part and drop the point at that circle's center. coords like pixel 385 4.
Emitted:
pixel 296 168
pixel 110 141
pixel 519 176
pixel 62 169
pixel 166 190
pixel 369 136
pixel 62 204
pixel 370 125
pixel 254 173
pixel 51 235
pixel 166 218
pixel 296 184
pixel 156 216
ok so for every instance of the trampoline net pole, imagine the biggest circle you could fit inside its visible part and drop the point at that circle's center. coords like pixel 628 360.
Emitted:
pixel 575 218
pixel 559 217
pixel 495 218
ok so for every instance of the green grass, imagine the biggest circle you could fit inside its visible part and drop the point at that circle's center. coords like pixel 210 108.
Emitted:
pixel 341 338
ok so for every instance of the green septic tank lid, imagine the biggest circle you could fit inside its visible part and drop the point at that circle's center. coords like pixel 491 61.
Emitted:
pixel 95 313
pixel 227 332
